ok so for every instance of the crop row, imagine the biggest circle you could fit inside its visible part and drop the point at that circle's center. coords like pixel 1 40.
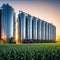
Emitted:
pixel 29 52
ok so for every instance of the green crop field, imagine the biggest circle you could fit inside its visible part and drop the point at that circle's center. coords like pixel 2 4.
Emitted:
pixel 36 51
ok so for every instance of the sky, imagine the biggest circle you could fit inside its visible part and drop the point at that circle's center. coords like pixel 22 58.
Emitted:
pixel 47 10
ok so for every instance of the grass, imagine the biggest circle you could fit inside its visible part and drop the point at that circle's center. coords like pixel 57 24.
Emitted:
pixel 36 51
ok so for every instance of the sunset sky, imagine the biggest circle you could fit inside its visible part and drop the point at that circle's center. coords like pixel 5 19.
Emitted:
pixel 48 10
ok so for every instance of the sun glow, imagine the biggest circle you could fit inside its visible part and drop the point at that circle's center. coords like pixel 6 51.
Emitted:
pixel 58 38
pixel 18 35
pixel 4 37
pixel 16 32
